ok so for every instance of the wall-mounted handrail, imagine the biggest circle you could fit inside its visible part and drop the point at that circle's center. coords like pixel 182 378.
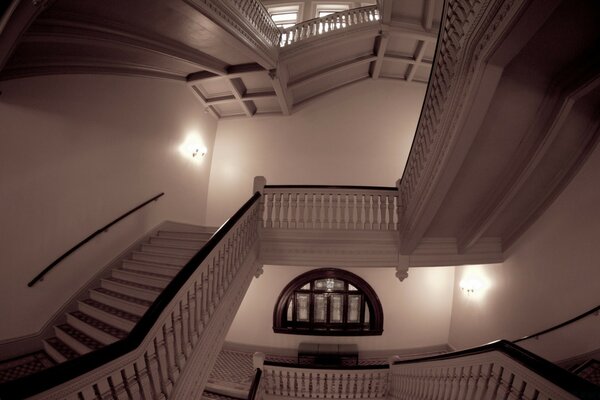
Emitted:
pixel 64 372
pixel 594 310
pixel 563 379
pixel 40 276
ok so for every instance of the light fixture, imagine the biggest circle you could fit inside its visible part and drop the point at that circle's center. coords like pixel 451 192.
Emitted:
pixel 471 285
pixel 199 150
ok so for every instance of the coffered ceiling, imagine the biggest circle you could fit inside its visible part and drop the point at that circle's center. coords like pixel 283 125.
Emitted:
pixel 232 76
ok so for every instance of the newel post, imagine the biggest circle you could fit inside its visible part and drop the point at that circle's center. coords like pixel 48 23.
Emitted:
pixel 259 184
pixel 258 360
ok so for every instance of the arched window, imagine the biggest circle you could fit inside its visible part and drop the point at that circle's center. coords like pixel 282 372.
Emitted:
pixel 328 301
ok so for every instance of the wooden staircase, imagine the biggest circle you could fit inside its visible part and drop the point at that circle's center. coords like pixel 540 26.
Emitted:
pixel 117 302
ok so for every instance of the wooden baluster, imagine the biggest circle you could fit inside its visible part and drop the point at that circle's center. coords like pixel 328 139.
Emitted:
pixel 285 210
pixel 301 208
pixel 293 207
pixel 169 345
pixel 318 206
pixel 162 361
pixel 382 209
pixel 277 216
pixel 390 212
pixel 326 203
pixel 344 211
pixel 360 224
pixel 334 210
pixel 269 201
pixel 310 206
pixel 205 299
pixel 351 210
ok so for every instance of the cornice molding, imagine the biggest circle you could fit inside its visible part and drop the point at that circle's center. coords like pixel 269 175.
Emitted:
pixel 469 34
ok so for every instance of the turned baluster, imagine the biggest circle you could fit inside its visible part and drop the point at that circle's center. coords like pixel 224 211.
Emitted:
pixel 277 215
pixel 334 210
pixel 285 210
pixel 269 199
pixel 301 205
pixel 293 207
pixel 326 203
pixel 351 210
pixel 318 206
pixel 360 219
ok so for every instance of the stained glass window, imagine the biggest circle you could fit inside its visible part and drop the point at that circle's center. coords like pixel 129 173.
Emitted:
pixel 328 301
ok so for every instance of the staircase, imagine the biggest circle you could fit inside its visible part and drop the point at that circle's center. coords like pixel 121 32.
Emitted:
pixel 117 302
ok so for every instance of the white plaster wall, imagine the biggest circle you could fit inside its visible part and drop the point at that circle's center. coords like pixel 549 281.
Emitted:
pixel 75 153
pixel 357 135
pixel 416 311
pixel 550 275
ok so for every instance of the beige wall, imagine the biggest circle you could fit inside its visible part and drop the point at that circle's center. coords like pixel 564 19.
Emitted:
pixel 416 311
pixel 75 153
pixel 551 274
pixel 358 135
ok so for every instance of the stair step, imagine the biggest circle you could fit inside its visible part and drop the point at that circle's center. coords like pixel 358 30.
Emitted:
pixel 75 339
pixel 102 332
pixel 122 301
pixel 107 314
pixel 169 249
pixel 146 292
pixel 184 235
pixel 159 258
pixel 150 267
pixel 183 243
pixel 142 277
pixel 58 350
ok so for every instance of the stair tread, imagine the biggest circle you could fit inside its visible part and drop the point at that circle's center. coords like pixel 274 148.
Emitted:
pixel 153 264
pixel 112 310
pixel 124 297
pixel 146 273
pixel 151 253
pixel 81 337
pixel 60 346
pixel 102 326
pixel 134 284
pixel 216 396
pixel 169 246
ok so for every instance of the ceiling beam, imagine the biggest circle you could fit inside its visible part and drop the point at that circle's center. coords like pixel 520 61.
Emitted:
pixel 207 108
pixel 412 68
pixel 232 71
pixel 239 90
pixel 381 43
pixel 387 7
pixel 279 79
pixel 428 10
pixel 331 69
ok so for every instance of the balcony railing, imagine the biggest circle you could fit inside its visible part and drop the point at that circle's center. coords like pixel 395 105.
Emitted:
pixel 330 23
pixel 351 208
pixel 256 13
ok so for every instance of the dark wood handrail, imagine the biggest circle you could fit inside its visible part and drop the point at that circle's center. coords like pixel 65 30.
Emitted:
pixel 255 384
pixel 565 380
pixel 40 276
pixel 51 377
pixel 558 326
pixel 331 187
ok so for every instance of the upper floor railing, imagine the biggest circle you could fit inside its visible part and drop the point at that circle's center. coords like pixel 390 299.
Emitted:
pixel 352 208
pixel 329 23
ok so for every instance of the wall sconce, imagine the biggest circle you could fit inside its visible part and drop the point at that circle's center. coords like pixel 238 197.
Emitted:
pixel 471 285
pixel 199 151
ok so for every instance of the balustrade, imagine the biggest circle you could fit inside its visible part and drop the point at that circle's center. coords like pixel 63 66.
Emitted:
pixel 327 208
pixel 295 382
pixel 329 23
pixel 179 330
pixel 496 371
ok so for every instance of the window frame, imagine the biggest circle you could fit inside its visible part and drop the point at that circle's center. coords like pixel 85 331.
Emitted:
pixel 369 299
